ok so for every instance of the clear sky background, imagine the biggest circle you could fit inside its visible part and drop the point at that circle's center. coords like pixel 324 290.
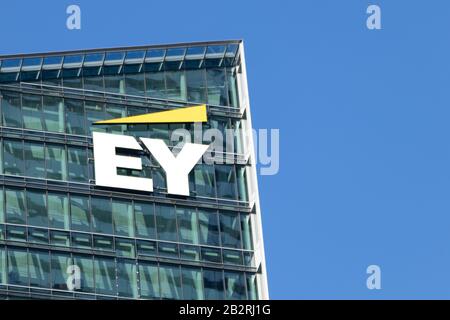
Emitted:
pixel 364 120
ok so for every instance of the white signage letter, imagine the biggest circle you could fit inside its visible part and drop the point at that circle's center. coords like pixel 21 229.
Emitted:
pixel 177 168
pixel 107 162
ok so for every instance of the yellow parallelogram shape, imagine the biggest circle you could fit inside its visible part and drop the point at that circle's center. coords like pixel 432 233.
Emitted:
pixel 181 115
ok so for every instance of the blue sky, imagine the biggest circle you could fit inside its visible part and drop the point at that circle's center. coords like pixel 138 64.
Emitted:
pixel 364 120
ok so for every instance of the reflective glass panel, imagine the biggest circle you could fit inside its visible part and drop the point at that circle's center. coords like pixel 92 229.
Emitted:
pixel 18 267
pixel 86 266
pixel 166 223
pixel 39 268
pixel 13 157
pixel 79 210
pixel 170 280
pixel 209 228
pixel 122 212
pixel 58 211
pixel 230 230
pixel 234 286
pixel 59 264
pixel 148 280
pixel 75 117
pixel 213 283
pixel 37 208
pixel 101 215
pixel 127 279
pixel 78 167
pixel 105 276
pixel 56 162
pixel 145 220
pixel 11 108
pixel 15 206
pixel 188 225
pixel 192 284
pixel 32 112
pixel 34 160
pixel 53 108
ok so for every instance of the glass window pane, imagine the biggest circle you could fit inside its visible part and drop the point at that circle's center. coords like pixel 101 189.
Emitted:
pixel 233 257
pixel 75 117
pixel 209 227
pixel 93 82
pixel 37 209
pixel 16 233
pixel 2 206
pixel 168 249
pixel 53 114
pixel 95 112
pixel 127 279
pixel 145 220
pixel 15 206
pixel 13 157
pixel 58 211
pixel 159 131
pixel 114 82
pixel 56 162
pixel 59 276
pixel 79 210
pixel 217 90
pixel 17 267
pixel 125 248
pixel 230 230
pixel 38 235
pixel 71 78
pixel 188 225
pixel 87 272
pixel 159 179
pixel 103 243
pixel 242 184
pixel 11 108
pixel 78 167
pixel 139 130
pixel 166 223
pixel 134 84
pixel 211 255
pixel 34 160
pixel 226 181
pixel 190 253
pixel 213 283
pixel 3 270
pixel 204 181
pixel 113 112
pixel 155 85
pixel 246 229
pixel 196 86
pixel 148 280
pixel 59 238
pixel 232 88
pixel 170 280
pixel 39 264
pixel 32 112
pixel 122 212
pixel 81 240
pixel 146 248
pixel 235 286
pixel 105 276
pixel 101 215
pixel 252 287
pixel 176 85
pixel 192 284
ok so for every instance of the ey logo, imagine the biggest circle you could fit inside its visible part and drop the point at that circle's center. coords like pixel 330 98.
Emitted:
pixel 177 168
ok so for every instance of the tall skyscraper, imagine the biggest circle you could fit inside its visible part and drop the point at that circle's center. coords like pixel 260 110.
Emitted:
pixel 65 235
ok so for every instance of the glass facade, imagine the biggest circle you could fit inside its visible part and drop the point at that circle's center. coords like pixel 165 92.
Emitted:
pixel 125 244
